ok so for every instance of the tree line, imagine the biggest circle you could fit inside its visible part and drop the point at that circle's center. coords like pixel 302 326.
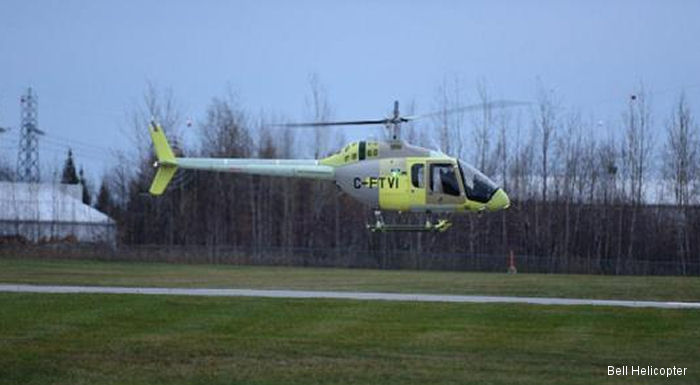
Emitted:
pixel 582 200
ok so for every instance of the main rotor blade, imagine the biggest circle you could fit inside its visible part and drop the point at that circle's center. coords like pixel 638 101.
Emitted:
pixel 345 123
pixel 397 119
pixel 496 104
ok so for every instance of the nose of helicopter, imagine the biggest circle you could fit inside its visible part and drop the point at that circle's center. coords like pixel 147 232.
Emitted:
pixel 498 201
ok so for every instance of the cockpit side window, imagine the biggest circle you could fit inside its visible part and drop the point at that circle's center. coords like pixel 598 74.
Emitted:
pixel 417 175
pixel 443 179
pixel 478 186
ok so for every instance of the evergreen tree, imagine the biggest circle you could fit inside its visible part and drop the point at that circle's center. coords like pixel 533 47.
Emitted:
pixel 104 199
pixel 69 176
pixel 87 199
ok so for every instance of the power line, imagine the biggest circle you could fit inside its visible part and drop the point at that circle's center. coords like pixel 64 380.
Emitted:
pixel 66 145
pixel 76 142
pixel 63 149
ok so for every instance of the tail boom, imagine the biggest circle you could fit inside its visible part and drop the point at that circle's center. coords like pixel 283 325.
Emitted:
pixel 297 168
pixel 167 164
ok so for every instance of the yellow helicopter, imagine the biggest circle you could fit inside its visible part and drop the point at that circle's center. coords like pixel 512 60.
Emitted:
pixel 384 175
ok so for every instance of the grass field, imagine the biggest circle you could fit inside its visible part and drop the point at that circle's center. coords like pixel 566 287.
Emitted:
pixel 406 281
pixel 131 339
pixel 135 339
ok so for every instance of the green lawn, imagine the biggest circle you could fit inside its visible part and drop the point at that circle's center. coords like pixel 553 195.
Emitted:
pixel 133 339
pixel 178 275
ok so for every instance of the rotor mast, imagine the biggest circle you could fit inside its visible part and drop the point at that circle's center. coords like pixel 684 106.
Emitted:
pixel 394 123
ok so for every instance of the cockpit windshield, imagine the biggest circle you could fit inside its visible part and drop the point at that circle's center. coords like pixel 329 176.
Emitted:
pixel 478 186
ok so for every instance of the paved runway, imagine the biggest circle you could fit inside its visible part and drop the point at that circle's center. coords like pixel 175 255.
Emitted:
pixel 340 295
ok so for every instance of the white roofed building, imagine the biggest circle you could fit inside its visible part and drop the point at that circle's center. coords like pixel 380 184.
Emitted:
pixel 41 212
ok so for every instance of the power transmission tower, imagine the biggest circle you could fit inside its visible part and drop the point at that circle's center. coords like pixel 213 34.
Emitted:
pixel 28 154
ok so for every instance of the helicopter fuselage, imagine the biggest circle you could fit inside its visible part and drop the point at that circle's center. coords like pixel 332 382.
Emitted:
pixel 398 176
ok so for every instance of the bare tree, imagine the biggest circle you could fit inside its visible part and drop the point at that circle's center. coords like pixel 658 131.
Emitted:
pixel 680 166
pixel 501 157
pixel 545 121
pixel 483 126
pixel 502 153
pixel 224 131
pixel 522 168
pixel 568 154
pixel 681 169
pixel 637 148
pixel 637 144
pixel 320 109
pixel 318 103
pixel 159 105
pixel 449 125
pixel 546 124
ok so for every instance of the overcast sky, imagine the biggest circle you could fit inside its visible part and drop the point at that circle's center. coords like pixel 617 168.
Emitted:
pixel 90 61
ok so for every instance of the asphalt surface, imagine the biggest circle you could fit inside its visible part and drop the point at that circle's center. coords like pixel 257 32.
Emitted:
pixel 306 294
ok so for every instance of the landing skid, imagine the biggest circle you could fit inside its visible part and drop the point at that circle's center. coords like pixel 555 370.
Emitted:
pixel 380 226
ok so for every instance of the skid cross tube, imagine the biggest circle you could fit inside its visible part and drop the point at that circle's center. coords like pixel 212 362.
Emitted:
pixel 380 226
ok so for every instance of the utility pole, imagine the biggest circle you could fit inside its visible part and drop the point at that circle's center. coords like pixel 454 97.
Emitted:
pixel 28 154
